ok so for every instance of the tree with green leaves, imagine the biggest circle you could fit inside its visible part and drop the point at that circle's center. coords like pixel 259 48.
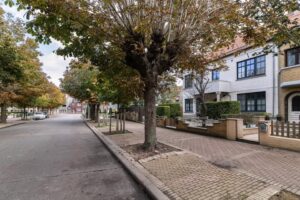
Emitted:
pixel 10 69
pixel 153 36
pixel 53 98
pixel 80 82
pixel 34 80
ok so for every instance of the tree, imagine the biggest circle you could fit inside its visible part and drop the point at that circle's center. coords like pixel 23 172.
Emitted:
pixel 168 91
pixel 115 84
pixel 34 80
pixel 52 99
pixel 154 35
pixel 80 82
pixel 10 69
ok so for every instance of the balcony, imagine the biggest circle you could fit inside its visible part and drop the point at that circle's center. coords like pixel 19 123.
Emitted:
pixel 218 86
pixel 290 77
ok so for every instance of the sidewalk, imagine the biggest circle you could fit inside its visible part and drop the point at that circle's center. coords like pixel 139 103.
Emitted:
pixel 217 166
pixel 12 122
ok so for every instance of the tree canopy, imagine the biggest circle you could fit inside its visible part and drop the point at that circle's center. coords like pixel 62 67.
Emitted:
pixel 22 80
pixel 152 37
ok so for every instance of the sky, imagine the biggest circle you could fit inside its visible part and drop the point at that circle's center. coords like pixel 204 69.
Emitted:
pixel 53 65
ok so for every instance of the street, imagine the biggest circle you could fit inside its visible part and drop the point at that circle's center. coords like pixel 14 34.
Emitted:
pixel 60 158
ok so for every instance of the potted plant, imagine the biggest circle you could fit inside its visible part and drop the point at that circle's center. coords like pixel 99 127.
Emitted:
pixel 279 118
pixel 267 117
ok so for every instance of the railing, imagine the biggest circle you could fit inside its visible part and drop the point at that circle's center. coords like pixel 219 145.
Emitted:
pixel 289 129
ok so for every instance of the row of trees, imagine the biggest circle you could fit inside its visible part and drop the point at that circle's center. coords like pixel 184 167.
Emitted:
pixel 152 38
pixel 22 82
pixel 88 83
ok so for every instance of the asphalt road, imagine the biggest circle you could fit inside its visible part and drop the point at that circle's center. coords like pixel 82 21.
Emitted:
pixel 60 158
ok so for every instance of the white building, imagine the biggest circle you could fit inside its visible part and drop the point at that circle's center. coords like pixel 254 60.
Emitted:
pixel 251 78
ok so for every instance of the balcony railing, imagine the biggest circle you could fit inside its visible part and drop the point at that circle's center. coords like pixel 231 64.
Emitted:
pixel 218 86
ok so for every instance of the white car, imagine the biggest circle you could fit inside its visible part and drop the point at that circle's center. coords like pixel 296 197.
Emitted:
pixel 38 116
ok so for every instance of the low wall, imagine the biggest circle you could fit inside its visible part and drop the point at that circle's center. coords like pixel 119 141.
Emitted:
pixel 218 129
pixel 279 142
pixel 227 128
pixel 250 131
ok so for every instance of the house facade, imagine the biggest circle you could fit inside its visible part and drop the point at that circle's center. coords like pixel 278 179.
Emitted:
pixel 263 83
pixel 250 77
pixel 289 83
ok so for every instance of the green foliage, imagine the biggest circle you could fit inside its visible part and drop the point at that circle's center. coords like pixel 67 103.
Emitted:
pixel 163 111
pixel 216 109
pixel 175 109
pixel 80 81
pixel 10 69
pixel 52 99
pixel 152 37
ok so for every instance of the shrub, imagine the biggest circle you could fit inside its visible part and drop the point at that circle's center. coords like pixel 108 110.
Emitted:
pixel 163 111
pixel 216 109
pixel 175 109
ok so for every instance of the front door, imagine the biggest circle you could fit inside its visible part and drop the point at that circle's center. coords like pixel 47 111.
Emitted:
pixel 294 108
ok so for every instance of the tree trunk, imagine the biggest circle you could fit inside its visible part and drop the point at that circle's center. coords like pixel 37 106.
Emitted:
pixel 124 130
pixel 150 118
pixel 117 122
pixel 97 112
pixel 3 113
pixel 24 112
pixel 93 112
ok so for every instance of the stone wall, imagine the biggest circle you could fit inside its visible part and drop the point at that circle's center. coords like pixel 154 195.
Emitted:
pixel 279 142
pixel 228 128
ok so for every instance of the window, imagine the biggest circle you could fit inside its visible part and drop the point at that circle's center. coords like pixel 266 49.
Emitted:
pixel 293 57
pixel 253 102
pixel 215 75
pixel 251 67
pixel 188 105
pixel 296 104
pixel 188 81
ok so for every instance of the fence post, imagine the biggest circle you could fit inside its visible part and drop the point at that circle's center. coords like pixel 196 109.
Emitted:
pixel 272 128
pixel 288 129
pixel 294 129
pixel 277 128
pixel 282 129
pixel 299 130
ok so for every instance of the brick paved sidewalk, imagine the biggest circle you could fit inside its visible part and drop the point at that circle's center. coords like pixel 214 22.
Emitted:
pixel 274 166
pixel 187 176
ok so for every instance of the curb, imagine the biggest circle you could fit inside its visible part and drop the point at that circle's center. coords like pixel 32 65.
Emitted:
pixel 136 171
pixel 10 125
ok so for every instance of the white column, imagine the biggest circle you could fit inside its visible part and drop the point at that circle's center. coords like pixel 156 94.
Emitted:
pixel 218 96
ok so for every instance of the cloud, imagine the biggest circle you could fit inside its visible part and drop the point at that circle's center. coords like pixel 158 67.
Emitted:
pixel 54 66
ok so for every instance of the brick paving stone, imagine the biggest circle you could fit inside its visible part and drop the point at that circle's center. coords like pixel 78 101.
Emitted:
pixel 274 166
pixel 192 177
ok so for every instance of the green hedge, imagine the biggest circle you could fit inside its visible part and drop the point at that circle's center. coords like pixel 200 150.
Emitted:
pixel 163 111
pixel 216 109
pixel 175 109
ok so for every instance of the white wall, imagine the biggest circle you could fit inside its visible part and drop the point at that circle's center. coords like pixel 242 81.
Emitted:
pixel 247 85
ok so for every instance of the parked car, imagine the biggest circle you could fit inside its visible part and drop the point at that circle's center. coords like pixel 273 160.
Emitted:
pixel 46 114
pixel 38 116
